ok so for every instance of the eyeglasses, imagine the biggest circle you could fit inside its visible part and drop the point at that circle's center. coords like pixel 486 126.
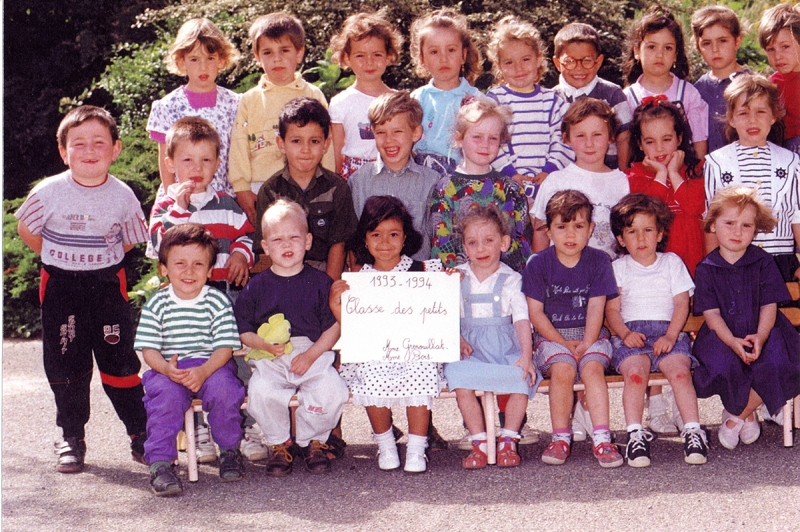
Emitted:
pixel 570 64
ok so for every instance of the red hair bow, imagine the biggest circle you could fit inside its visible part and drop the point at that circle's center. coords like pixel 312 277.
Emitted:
pixel 647 100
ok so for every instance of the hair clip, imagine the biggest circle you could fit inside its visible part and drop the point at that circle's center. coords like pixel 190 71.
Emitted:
pixel 654 100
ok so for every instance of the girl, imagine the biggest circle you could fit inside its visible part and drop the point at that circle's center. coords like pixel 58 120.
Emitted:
pixel 385 238
pixel 754 118
pixel 749 352
pixel 442 47
pixel 654 288
pixel 496 347
pixel 666 167
pixel 481 128
pixel 656 63
pixel 535 149
pixel 367 45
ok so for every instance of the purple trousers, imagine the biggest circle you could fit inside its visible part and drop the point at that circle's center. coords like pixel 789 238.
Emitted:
pixel 167 401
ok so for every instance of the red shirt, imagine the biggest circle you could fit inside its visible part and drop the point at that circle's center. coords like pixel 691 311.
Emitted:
pixel 789 86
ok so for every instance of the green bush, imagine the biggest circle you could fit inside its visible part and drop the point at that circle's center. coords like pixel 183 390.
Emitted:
pixel 21 317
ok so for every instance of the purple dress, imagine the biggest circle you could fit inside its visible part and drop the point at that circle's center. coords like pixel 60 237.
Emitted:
pixel 738 291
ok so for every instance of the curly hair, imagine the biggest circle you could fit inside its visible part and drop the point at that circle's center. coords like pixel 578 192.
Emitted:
pixel 377 210
pixel 623 213
pixel 205 32
pixel 741 197
pixel 480 109
pixel 488 214
pixel 655 110
pixel 447 19
pixel 510 29
pixel 753 86
pixel 363 26
pixel 655 19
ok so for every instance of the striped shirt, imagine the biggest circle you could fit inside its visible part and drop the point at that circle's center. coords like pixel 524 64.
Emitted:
pixel 187 328
pixel 535 144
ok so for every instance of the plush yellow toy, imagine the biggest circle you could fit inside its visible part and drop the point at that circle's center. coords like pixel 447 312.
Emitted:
pixel 277 330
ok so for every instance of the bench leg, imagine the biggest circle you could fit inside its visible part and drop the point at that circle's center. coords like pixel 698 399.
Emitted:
pixel 191 450
pixel 787 424
pixel 797 412
pixel 491 435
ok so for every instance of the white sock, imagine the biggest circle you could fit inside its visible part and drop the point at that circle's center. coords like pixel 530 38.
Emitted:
pixel 691 425
pixel 601 436
pixel 634 426
pixel 416 444
pixel 481 436
pixel 385 440
pixel 502 433
pixel 562 436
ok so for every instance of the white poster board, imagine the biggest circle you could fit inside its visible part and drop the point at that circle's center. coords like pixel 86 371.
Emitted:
pixel 400 316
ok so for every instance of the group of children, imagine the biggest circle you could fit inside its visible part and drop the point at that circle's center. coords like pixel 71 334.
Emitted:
pixel 527 194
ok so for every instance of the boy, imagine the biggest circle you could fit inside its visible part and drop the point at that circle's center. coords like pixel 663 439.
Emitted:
pixel 396 120
pixel 779 36
pixel 82 222
pixel 187 334
pixel 718 36
pixel 303 137
pixel 577 56
pixel 567 286
pixel 192 146
pixel 278 45
pixel 300 293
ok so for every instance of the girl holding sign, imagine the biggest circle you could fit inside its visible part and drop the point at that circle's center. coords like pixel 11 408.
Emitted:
pixel 384 240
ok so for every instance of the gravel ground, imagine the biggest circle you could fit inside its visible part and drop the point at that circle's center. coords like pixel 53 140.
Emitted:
pixel 755 487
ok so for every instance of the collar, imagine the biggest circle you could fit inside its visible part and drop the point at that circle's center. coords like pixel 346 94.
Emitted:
pixel 288 177
pixel 298 84
pixel 380 167
pixel 463 86
pixel 573 93
pixel 402 266
pixel 752 254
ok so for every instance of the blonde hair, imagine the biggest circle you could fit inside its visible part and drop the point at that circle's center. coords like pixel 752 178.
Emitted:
pixel 280 210
pixel 741 197
pixel 512 29
pixel 388 105
pixel 753 86
pixel 205 32
pixel 480 109
pixel 362 26
pixel 277 25
pixel 445 19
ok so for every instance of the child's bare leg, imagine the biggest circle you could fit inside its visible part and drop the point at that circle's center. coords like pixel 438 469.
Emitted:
pixel 593 376
pixel 635 370
pixel 753 402
pixel 470 410
pixel 515 411
pixel 418 417
pixel 380 418
pixel 677 369
pixel 562 379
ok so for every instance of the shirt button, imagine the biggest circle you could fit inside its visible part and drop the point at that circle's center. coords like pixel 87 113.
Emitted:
pixel 761 245
pixel 758 182
pixel 497 298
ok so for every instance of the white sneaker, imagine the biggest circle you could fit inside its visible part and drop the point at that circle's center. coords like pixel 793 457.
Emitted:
pixel 581 423
pixel 206 451
pixel 729 437
pixel 765 415
pixel 751 430
pixel 415 462
pixel 527 435
pixel 388 459
pixel 252 445
pixel 658 419
pixel 465 443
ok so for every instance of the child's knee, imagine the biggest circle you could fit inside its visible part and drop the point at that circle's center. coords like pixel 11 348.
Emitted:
pixel 563 373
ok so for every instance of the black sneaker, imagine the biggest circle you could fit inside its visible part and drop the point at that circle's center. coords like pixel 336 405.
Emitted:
pixel 336 446
pixel 71 452
pixel 695 446
pixel 137 447
pixel 316 458
pixel 231 465
pixel 638 449
pixel 164 482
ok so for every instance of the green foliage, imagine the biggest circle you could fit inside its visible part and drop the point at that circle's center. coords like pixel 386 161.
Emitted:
pixel 330 80
pixel 20 280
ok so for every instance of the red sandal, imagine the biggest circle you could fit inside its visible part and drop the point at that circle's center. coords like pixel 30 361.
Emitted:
pixel 477 459
pixel 507 455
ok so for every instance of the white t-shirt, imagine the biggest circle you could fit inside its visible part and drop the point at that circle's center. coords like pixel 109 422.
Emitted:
pixel 647 292
pixel 350 108
pixel 512 300
pixel 604 190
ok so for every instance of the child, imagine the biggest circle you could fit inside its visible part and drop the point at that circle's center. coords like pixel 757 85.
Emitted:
pixel 82 222
pixel 589 127
pixel 383 242
pixel 749 353
pixel 200 52
pixel 647 318
pixel 666 167
pixel 535 148
pixel 656 63
pixel 278 45
pixel 754 112
pixel 442 47
pixel 301 294
pixel 187 334
pixel 303 138
pixel 718 35
pixel 779 36
pixel 367 44
pixel 481 128
pixel 496 347
pixel 566 287
pixel 578 57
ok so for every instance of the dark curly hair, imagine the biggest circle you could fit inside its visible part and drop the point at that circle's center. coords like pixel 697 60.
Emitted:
pixel 623 213
pixel 654 110
pixel 377 210
pixel 655 19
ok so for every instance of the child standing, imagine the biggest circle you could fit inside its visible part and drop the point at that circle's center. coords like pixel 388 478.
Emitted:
pixel 481 128
pixel 200 52
pixel 656 63
pixel 187 334
pixel 749 352
pixel 367 44
pixel 566 287
pixel 384 242
pixel 753 110
pixel 81 223
pixel 278 46
pixel 535 148
pixel 496 347
pixel 717 35
pixel 578 56
pixel 665 166
pixel 301 294
pixel 779 36
pixel 442 47
pixel 647 318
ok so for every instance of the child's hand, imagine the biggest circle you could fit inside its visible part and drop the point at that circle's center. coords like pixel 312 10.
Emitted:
pixel 275 349
pixel 521 179
pixel 195 377
pixel 466 349
pixel 539 178
pixel 756 344
pixel 675 161
pixel 247 201
pixel 238 273
pixel 525 363
pixel 572 345
pixel 743 348
pixel 301 363
pixel 338 288
pixel 454 271
pixel 182 192
pixel 663 345
pixel 634 339
pixel 175 375
pixel 657 167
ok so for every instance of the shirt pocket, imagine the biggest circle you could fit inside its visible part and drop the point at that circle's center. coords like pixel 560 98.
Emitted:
pixel 320 216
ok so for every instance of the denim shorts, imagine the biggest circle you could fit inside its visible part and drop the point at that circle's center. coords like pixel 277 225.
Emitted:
pixel 652 330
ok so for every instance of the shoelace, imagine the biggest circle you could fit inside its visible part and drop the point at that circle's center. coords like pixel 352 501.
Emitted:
pixel 318 447
pixel 282 450
pixel 694 438
pixel 638 438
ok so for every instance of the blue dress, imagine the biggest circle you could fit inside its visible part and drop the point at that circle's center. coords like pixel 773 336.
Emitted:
pixel 495 348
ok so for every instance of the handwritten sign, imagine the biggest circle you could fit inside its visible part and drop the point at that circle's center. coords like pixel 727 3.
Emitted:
pixel 400 317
